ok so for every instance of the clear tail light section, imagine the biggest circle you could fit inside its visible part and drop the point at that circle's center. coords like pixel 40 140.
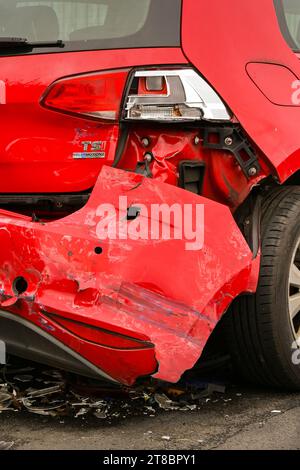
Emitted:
pixel 96 95
pixel 173 95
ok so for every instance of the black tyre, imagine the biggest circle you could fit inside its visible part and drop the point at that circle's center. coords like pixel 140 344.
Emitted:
pixel 264 329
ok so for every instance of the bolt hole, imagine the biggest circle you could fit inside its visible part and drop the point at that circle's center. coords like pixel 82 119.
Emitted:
pixel 98 250
pixel 20 285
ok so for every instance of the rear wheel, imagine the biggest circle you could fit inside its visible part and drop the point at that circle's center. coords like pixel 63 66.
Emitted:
pixel 264 329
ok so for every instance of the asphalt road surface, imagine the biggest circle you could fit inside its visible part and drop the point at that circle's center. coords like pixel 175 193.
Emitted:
pixel 240 419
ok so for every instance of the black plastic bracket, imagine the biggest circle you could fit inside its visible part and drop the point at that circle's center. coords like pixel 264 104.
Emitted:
pixel 233 140
pixel 191 175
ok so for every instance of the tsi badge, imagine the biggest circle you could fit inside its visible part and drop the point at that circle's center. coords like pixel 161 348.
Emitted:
pixel 91 150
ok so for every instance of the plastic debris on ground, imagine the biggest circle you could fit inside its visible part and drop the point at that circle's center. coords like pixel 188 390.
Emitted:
pixel 6 445
pixel 42 391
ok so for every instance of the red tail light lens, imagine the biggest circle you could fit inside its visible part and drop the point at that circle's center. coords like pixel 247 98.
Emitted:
pixel 96 95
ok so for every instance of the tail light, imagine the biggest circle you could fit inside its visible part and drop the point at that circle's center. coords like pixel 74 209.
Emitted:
pixel 155 95
pixel 173 95
pixel 95 95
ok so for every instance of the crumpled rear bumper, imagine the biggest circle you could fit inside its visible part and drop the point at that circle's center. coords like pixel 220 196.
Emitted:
pixel 132 307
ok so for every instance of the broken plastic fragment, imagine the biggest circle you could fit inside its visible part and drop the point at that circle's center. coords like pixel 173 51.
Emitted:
pixel 55 394
pixel 6 445
pixel 5 401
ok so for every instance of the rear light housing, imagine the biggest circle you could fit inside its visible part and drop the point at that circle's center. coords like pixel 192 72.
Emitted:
pixel 172 95
pixel 96 95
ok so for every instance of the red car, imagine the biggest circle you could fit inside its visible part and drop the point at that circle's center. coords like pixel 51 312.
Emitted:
pixel 175 104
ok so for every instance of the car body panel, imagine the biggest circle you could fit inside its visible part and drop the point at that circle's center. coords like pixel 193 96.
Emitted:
pixel 273 128
pixel 137 305
pixel 37 144
pixel 223 179
pixel 124 290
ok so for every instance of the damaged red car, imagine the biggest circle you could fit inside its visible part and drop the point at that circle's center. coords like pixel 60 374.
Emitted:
pixel 110 109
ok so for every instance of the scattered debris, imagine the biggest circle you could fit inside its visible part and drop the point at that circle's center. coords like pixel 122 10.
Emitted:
pixel 23 378
pixel 53 393
pixel 6 445
pixel 46 392
pixel 164 402
pixel 45 408
pixel 5 401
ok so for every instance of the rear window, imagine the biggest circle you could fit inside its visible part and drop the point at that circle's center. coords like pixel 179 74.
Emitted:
pixel 289 20
pixel 94 24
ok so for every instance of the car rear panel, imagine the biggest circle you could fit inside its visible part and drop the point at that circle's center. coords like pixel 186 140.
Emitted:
pixel 273 126
pixel 37 144
pixel 128 307
pixel 116 306
pixel 42 151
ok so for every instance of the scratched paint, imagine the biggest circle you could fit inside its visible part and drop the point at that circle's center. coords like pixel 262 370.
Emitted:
pixel 158 293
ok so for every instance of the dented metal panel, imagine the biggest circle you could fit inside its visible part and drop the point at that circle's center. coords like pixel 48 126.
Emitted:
pixel 165 294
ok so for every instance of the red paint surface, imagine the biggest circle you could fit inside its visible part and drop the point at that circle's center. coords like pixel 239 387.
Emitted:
pixel 37 144
pixel 154 292
pixel 279 89
pixel 126 289
pixel 224 180
pixel 232 35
